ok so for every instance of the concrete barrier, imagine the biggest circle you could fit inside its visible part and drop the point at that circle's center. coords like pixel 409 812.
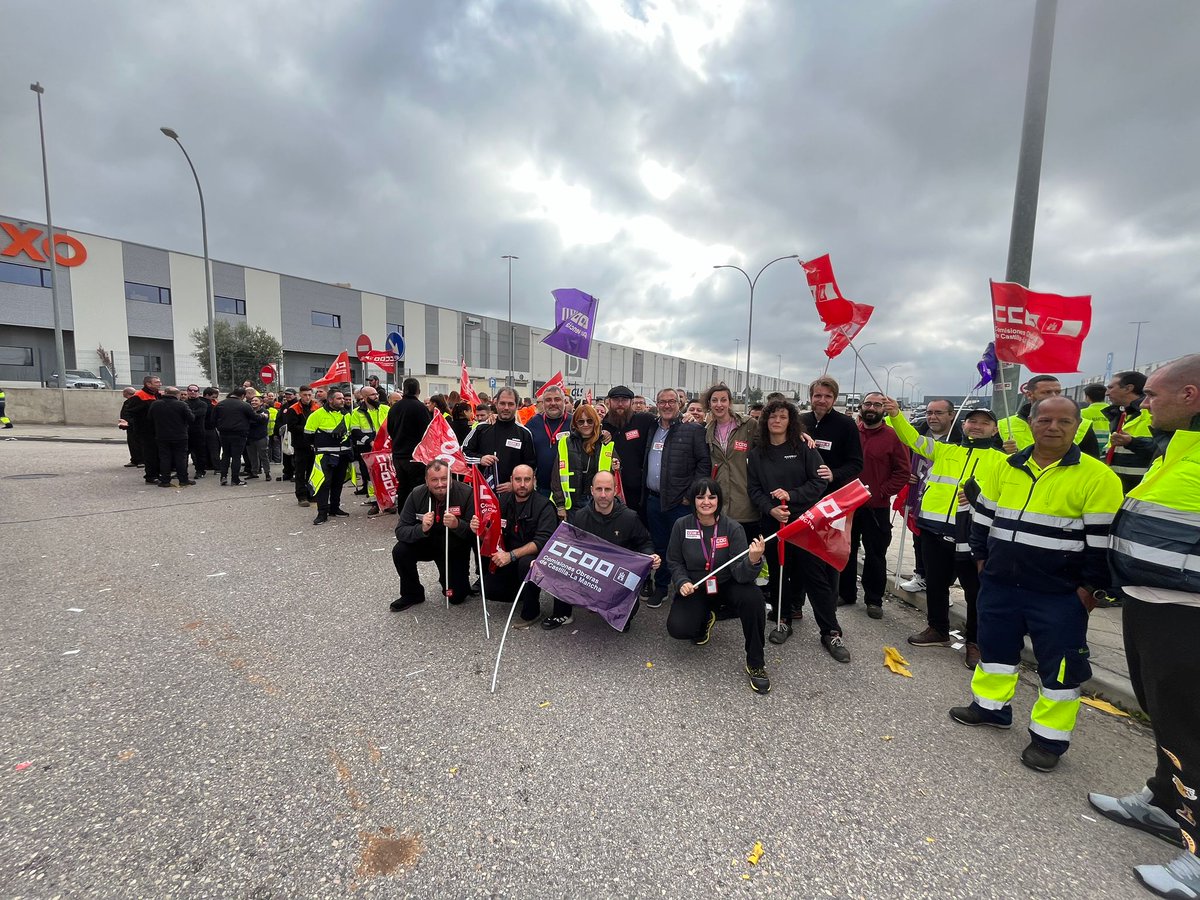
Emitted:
pixel 50 406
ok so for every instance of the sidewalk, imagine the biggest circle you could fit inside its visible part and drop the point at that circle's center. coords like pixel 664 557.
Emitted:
pixel 1110 670
pixel 71 434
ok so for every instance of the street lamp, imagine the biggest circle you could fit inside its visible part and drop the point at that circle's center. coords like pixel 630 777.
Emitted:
pixel 750 319
pixel 1136 340
pixel 208 289
pixel 737 352
pixel 60 352
pixel 512 335
pixel 904 381
pixel 779 374
pixel 888 384
pixel 854 380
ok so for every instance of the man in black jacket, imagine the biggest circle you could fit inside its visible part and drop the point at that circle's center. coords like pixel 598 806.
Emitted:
pixel 196 444
pixel 295 417
pixel 132 439
pixel 503 445
pixel 407 420
pixel 608 518
pixel 631 432
pixel 170 418
pixel 676 455
pixel 527 521
pixel 135 413
pixel 434 513
pixel 234 418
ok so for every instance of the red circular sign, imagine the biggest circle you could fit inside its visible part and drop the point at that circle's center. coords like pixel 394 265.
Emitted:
pixel 362 345
pixel 267 374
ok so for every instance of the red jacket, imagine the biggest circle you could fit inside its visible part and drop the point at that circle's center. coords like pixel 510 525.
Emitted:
pixel 885 464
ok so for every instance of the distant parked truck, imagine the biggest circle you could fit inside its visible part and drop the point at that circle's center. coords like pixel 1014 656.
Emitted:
pixel 77 378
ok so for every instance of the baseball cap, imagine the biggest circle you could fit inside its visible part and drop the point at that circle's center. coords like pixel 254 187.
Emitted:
pixel 981 409
pixel 620 392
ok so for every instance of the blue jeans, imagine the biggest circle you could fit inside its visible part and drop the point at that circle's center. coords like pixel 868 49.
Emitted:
pixel 661 522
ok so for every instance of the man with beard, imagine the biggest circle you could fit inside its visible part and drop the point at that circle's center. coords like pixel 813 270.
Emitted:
pixel 406 422
pixel 502 445
pixel 545 428
pixel 328 428
pixel 630 431
pixel 437 511
pixel 885 472
pixel 527 520
pixel 295 419
pixel 365 421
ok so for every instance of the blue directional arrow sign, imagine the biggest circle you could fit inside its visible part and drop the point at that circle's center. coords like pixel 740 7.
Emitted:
pixel 395 343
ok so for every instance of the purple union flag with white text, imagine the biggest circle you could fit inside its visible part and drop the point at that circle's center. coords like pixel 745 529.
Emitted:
pixel 574 321
pixel 584 570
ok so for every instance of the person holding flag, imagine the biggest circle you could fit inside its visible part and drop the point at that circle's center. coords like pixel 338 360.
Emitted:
pixel 583 452
pixel 328 430
pixel 1016 432
pixel 784 480
pixel 1040 527
pixel 527 521
pixel 1130 447
pixel 501 446
pixel 366 421
pixel 705 541
pixel 610 519
pixel 433 526
pixel 943 518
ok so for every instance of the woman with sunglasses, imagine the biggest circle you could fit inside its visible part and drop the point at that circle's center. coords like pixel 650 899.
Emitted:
pixel 701 543
pixel 582 452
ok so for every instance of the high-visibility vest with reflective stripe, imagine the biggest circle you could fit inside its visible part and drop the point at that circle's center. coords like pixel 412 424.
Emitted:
pixel 1125 461
pixel 1155 539
pixel 1046 529
pixel 330 430
pixel 1022 434
pixel 604 458
pixel 953 464
pixel 1094 413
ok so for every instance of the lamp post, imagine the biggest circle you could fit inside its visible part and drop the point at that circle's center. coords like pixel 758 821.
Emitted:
pixel 59 351
pixel 750 319
pixel 904 381
pixel 208 288
pixel 512 350
pixel 888 384
pixel 737 353
pixel 779 374
pixel 1136 340
pixel 854 380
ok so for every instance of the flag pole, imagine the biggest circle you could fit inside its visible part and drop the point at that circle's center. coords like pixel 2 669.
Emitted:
pixel 487 631
pixel 504 637
pixel 900 558
pixel 725 566
pixel 779 609
pixel 446 559
pixel 864 365
pixel 961 407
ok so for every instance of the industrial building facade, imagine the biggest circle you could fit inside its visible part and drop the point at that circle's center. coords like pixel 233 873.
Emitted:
pixel 137 306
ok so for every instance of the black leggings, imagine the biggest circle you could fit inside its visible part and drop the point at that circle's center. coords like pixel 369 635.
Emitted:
pixel 689 615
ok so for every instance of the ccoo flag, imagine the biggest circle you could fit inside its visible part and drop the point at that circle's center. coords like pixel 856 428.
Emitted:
pixel 1043 332
pixel 487 510
pixel 843 318
pixel 440 442
pixel 556 381
pixel 584 570
pixel 824 530
pixel 465 389
pixel 574 318
pixel 339 372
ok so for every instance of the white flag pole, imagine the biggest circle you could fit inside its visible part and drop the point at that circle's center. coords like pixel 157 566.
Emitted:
pixel 487 631
pixel 504 637
pixel 724 566
pixel 779 610
pixel 446 558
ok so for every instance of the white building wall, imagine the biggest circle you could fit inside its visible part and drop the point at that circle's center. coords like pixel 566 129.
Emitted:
pixel 263 308
pixel 189 310
pixel 374 319
pixel 414 338
pixel 98 298
pixel 448 341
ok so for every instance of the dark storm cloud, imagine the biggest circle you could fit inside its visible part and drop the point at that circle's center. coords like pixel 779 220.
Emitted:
pixel 406 147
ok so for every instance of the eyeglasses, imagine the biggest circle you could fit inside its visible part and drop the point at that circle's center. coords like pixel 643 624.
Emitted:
pixel 872 406
pixel 668 402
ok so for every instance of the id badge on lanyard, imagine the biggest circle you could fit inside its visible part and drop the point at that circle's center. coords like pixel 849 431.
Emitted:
pixel 709 550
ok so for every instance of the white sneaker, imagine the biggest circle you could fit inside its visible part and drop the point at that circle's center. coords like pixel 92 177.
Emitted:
pixel 914 584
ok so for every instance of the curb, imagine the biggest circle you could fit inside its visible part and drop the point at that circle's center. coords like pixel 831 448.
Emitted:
pixel 61 440
pixel 1113 688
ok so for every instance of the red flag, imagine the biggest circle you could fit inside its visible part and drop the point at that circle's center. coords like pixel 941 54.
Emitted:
pixel 901 504
pixel 824 530
pixel 465 389
pixel 338 373
pixel 440 442
pixel 487 508
pixel 385 359
pixel 383 475
pixel 1043 332
pixel 383 440
pixel 587 398
pixel 843 318
pixel 556 381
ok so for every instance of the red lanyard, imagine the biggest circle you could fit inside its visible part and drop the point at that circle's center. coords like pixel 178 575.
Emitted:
pixel 553 436
pixel 710 552
pixel 1108 457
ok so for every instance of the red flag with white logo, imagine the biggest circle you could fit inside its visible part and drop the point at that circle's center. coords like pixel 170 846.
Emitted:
pixel 556 381
pixel 843 319
pixel 487 508
pixel 1043 332
pixel 465 389
pixel 383 475
pixel 339 372
pixel 440 442
pixel 383 440
pixel 824 530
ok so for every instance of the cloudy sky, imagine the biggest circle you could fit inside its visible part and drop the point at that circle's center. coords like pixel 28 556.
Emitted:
pixel 627 147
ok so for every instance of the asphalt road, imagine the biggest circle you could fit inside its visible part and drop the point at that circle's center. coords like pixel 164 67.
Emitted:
pixel 214 700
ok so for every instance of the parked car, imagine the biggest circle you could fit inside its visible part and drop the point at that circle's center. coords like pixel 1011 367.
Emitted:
pixel 78 378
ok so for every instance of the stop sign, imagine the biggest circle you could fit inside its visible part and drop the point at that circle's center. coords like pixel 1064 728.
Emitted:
pixel 362 345
pixel 267 373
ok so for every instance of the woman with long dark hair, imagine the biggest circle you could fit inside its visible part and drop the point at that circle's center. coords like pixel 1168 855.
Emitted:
pixel 582 452
pixel 460 421
pixel 783 483
pixel 700 543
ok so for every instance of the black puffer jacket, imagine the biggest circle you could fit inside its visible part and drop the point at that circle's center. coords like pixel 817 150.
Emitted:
pixel 684 459
pixel 621 527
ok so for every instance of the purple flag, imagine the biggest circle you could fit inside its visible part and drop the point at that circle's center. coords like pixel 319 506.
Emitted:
pixel 584 570
pixel 574 319
pixel 988 365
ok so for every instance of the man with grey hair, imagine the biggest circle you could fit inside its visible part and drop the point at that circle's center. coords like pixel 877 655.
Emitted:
pixel 545 428
pixel 1154 552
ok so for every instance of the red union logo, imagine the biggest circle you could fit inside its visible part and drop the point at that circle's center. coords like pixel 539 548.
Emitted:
pixel 25 240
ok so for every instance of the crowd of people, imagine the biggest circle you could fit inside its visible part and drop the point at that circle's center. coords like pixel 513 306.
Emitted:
pixel 1040 517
